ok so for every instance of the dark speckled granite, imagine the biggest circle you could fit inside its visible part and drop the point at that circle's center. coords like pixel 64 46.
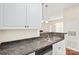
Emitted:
pixel 26 46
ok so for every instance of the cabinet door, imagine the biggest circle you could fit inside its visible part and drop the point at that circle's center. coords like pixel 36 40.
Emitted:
pixel 14 14
pixel 1 14
pixel 34 14
pixel 59 48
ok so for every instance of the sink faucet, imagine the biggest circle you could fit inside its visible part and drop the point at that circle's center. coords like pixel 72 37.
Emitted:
pixel 48 39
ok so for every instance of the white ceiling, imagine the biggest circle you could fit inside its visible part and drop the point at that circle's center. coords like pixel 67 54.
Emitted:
pixel 55 10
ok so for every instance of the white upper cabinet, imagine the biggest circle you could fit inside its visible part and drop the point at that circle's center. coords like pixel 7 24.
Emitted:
pixel 0 14
pixel 34 14
pixel 14 14
pixel 20 15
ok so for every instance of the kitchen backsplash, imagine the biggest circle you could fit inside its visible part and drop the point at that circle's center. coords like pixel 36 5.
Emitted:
pixel 10 35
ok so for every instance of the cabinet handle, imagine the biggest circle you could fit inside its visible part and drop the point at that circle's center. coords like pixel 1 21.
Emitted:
pixel 59 47
pixel 26 26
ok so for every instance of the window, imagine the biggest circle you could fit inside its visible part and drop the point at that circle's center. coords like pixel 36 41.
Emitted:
pixel 59 27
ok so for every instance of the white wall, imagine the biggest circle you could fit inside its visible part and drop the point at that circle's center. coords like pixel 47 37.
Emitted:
pixel 10 35
pixel 71 23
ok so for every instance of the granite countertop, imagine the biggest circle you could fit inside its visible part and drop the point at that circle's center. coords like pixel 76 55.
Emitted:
pixel 26 46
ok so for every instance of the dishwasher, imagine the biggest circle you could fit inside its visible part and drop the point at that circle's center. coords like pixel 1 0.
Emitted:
pixel 44 51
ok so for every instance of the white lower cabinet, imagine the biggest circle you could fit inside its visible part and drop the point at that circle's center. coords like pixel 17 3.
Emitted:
pixel 59 48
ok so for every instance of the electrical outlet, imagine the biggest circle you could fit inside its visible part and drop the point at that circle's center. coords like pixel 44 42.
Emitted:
pixel 71 33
